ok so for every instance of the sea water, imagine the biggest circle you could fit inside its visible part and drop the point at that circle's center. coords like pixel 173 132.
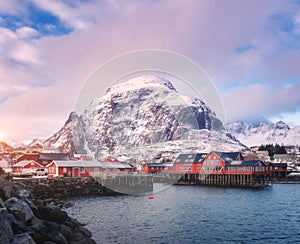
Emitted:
pixel 195 214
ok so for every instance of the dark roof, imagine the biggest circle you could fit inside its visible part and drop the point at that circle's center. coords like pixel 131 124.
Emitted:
pixel 80 151
pixel 228 156
pixel 157 165
pixel 279 165
pixel 190 158
pixel 245 163
pixel 53 156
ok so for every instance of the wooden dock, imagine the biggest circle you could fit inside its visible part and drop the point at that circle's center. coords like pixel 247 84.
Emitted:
pixel 230 180
pixel 129 184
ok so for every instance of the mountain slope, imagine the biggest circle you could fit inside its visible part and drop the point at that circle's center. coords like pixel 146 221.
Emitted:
pixel 70 138
pixel 264 133
pixel 145 115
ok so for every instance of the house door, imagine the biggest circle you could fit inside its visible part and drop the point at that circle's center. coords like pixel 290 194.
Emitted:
pixel 75 172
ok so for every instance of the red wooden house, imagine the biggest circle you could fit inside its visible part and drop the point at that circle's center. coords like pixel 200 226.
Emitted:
pixel 73 168
pixel 255 167
pixel 25 166
pixel 157 167
pixel 27 156
pixel 46 158
pixel 188 163
pixel 80 168
pixel 215 162
pixel 280 169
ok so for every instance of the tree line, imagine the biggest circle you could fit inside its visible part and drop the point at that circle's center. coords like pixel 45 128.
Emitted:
pixel 277 149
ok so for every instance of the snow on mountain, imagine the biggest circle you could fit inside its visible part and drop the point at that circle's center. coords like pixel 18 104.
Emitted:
pixel 4 146
pixel 293 137
pixel 255 134
pixel 70 138
pixel 142 117
pixel 36 142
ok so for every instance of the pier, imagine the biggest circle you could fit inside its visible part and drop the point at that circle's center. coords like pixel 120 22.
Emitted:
pixel 132 184
pixel 230 180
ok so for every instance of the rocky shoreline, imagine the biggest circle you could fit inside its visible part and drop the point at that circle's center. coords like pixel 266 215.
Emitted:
pixel 33 218
pixel 62 188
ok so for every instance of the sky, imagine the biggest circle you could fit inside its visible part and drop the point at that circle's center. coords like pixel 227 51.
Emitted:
pixel 48 49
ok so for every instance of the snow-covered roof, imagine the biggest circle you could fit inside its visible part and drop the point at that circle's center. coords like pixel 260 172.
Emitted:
pixel 53 156
pixel 92 164
pixel 190 158
pixel 245 163
pixel 3 163
pixel 25 162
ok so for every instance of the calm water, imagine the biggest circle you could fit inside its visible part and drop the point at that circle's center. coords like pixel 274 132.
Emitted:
pixel 195 214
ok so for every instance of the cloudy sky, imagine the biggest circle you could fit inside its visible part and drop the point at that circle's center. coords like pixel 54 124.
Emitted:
pixel 48 48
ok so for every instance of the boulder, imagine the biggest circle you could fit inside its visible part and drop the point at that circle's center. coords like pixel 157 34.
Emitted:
pixel 17 225
pixel 1 203
pixel 38 230
pixel 85 231
pixel 53 213
pixel 19 208
pixel 23 238
pixel 66 231
pixel 6 188
pixel 57 237
pixel 68 204
pixel 6 232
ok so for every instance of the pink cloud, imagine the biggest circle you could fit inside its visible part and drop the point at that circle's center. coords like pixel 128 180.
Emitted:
pixel 54 68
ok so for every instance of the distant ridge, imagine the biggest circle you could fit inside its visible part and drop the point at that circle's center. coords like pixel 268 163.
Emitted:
pixel 255 134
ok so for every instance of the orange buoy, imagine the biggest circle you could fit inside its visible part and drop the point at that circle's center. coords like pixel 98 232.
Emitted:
pixel 151 197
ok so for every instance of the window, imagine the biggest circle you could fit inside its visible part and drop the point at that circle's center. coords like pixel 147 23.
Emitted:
pixel 96 169
pixel 81 170
pixel 65 170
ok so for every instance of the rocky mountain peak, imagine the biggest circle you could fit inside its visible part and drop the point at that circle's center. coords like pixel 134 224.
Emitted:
pixel 143 81
pixel 141 116
pixel 72 118
pixel 281 125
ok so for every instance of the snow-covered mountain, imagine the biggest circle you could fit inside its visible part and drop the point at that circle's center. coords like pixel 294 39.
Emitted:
pixel 255 134
pixel 4 146
pixel 141 118
pixel 36 142
pixel 70 138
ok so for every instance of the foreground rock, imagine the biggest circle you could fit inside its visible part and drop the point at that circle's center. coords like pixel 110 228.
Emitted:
pixel 61 187
pixel 27 221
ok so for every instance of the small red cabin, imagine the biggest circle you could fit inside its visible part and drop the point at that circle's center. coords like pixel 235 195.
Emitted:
pixel 256 167
pixel 27 157
pixel 73 168
pixel 82 168
pixel 156 167
pixel 25 165
pixel 188 163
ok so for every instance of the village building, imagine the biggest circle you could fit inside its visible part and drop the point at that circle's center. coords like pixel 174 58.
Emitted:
pixel 255 167
pixel 81 168
pixel 215 162
pixel 42 158
pixel 5 164
pixel 26 157
pixel 46 158
pixel 188 162
pixel 284 158
pixel 263 155
pixel 157 167
pixel 25 166
pixel 280 170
